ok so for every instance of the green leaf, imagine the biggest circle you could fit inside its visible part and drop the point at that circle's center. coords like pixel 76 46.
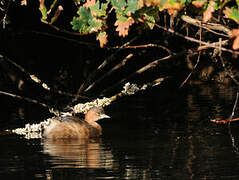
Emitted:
pixel 150 21
pixel 234 14
pixel 43 13
pixel 118 4
pixel 83 22
pixel 132 6
pixel 100 10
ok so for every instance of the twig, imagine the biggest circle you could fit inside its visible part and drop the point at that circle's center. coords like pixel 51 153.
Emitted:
pixel 224 121
pixel 100 67
pixel 37 80
pixel 209 45
pixel 208 26
pixel 230 119
pixel 64 38
pixel 194 67
pixel 122 63
pixel 227 71
pixel 234 107
pixel 139 71
pixel 25 99
pixel 144 46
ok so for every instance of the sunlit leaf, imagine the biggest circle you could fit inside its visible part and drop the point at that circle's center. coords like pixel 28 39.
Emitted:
pixel 89 3
pixel 207 15
pixel 119 4
pixel 199 3
pixel 132 6
pixel 123 26
pixel 235 34
pixel 235 44
pixel 102 38
pixel 149 21
pixel 232 13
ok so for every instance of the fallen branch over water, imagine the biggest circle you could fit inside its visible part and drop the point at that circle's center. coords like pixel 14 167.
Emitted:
pixel 230 119
pixel 31 131
pixel 224 121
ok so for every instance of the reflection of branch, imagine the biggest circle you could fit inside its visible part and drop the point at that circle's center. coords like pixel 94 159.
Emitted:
pixel 236 149
pixel 234 107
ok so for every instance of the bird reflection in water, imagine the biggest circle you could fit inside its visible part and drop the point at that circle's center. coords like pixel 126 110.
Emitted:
pixel 80 153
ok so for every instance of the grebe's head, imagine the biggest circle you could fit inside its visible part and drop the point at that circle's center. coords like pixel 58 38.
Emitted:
pixel 95 114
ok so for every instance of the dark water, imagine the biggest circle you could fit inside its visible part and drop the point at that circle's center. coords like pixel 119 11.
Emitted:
pixel 158 135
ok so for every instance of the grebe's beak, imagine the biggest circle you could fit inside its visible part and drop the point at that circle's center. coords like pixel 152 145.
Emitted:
pixel 103 116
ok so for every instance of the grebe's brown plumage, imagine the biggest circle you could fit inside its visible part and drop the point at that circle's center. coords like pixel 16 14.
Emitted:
pixel 72 127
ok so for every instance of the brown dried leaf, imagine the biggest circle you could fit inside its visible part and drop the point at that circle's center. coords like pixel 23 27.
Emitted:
pixel 23 2
pixel 149 3
pixel 235 33
pixel 173 9
pixel 123 27
pixel 199 4
pixel 207 15
pixel 235 44
pixel 102 37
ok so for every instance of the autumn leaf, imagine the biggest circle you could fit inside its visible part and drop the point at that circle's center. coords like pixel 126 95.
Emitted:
pixel 235 34
pixel 123 26
pixel 235 44
pixel 207 15
pixel 172 8
pixel 149 3
pixel 199 3
pixel 102 37
pixel 89 3
pixel 23 2
pixel 232 13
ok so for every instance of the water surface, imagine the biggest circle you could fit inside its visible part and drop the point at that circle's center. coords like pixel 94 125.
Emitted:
pixel 157 135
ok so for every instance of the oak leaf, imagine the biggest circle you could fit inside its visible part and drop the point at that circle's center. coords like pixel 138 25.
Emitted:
pixel 102 37
pixel 149 3
pixel 207 15
pixel 123 26
pixel 89 3
pixel 235 34
pixel 199 4
pixel 173 8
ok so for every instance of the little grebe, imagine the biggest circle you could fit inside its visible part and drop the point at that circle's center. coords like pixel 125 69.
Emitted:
pixel 72 127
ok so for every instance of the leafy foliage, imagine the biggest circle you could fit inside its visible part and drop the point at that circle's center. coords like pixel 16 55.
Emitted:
pixel 92 15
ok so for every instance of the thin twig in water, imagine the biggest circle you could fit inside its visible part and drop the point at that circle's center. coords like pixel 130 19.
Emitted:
pixel 234 107
pixel 194 67
pixel 230 119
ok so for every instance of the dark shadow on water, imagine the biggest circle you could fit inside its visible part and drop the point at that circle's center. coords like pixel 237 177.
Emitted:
pixel 155 135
